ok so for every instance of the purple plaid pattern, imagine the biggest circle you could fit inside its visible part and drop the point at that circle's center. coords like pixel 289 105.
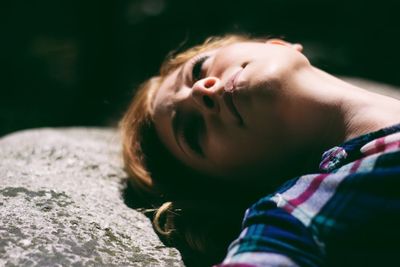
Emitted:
pixel 348 214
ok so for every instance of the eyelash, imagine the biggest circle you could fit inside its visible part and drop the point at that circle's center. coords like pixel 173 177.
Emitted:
pixel 193 126
pixel 197 68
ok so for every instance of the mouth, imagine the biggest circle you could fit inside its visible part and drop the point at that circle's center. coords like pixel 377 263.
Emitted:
pixel 231 83
pixel 227 96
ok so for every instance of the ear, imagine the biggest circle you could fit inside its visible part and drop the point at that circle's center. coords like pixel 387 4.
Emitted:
pixel 295 46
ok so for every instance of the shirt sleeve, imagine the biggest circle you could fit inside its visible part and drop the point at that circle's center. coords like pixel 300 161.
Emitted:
pixel 272 237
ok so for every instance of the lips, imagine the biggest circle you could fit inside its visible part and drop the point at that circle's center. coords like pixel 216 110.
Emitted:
pixel 230 87
pixel 231 83
pixel 227 96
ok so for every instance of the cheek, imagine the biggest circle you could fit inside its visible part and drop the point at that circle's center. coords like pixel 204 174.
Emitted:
pixel 280 63
pixel 220 146
pixel 240 152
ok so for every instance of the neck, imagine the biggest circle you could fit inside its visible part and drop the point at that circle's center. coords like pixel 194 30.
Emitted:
pixel 337 111
pixel 352 110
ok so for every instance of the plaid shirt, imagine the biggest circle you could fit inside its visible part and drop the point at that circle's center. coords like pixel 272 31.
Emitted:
pixel 346 215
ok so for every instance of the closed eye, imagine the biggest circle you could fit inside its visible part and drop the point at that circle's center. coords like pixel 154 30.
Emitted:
pixel 193 128
pixel 197 68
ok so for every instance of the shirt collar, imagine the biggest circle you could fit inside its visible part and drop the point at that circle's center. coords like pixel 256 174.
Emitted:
pixel 350 150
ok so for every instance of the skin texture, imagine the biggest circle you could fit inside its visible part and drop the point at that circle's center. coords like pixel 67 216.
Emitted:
pixel 286 112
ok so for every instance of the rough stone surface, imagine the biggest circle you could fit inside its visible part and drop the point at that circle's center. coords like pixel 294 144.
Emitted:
pixel 61 203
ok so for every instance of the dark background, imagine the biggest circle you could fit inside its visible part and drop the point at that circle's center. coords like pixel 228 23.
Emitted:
pixel 72 63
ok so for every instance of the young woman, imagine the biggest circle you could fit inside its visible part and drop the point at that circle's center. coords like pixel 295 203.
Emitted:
pixel 240 123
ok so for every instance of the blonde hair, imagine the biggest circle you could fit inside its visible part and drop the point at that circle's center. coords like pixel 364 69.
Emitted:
pixel 145 161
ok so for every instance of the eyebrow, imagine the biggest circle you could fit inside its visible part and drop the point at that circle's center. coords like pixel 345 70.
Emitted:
pixel 179 78
pixel 177 115
pixel 176 123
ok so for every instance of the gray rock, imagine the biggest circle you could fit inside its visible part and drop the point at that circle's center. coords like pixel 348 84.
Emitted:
pixel 61 203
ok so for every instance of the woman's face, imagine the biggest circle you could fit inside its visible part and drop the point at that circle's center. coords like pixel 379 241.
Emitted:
pixel 231 111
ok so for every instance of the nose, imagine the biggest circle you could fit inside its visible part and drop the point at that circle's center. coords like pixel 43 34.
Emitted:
pixel 205 94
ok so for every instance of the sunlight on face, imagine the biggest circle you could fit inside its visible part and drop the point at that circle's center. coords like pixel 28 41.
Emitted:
pixel 224 112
